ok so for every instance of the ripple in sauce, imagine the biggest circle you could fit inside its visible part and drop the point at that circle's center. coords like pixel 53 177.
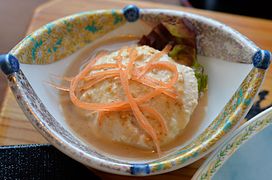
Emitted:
pixel 79 124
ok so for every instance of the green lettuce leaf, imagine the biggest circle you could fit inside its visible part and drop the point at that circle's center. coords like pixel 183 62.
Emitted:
pixel 184 51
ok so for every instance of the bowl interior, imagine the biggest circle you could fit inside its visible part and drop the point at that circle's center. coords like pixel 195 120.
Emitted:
pixel 224 78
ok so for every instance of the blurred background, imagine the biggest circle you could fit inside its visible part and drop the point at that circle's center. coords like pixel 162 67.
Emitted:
pixel 15 15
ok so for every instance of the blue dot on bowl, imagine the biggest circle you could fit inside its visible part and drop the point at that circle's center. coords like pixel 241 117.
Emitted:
pixel 131 13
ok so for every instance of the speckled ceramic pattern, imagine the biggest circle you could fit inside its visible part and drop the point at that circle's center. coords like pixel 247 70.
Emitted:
pixel 33 49
pixel 217 159
pixel 62 37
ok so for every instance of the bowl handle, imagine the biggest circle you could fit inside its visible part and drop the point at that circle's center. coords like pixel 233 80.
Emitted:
pixel 262 59
pixel 9 64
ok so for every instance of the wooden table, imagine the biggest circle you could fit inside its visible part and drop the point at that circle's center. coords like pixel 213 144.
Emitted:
pixel 14 127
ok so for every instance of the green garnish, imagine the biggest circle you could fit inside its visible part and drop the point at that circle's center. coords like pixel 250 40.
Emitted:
pixel 184 52
pixel 202 78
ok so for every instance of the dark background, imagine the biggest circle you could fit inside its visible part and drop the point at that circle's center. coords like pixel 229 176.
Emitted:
pixel 261 8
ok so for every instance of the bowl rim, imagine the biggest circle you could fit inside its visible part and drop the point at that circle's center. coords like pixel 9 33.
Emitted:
pixel 25 96
pixel 236 140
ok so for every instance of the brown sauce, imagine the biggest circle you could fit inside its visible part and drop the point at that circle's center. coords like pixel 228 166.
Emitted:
pixel 80 125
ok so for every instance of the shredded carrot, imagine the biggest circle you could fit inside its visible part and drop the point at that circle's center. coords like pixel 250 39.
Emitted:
pixel 167 91
pixel 156 57
pixel 101 74
pixel 58 87
pixel 85 71
pixel 93 74
pixel 133 56
pixel 167 48
pixel 97 80
pixel 137 112
pixel 157 116
pixel 166 65
pixel 104 66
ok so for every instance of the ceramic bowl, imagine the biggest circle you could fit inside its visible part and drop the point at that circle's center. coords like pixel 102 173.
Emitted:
pixel 246 153
pixel 226 55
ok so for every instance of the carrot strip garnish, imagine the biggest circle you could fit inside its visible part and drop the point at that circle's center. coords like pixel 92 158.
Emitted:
pixel 167 48
pixel 155 58
pixel 102 73
pixel 149 82
pixel 93 74
pixel 58 87
pixel 104 66
pixel 85 71
pixel 137 112
pixel 156 116
pixel 165 65
pixel 97 80
pixel 131 63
